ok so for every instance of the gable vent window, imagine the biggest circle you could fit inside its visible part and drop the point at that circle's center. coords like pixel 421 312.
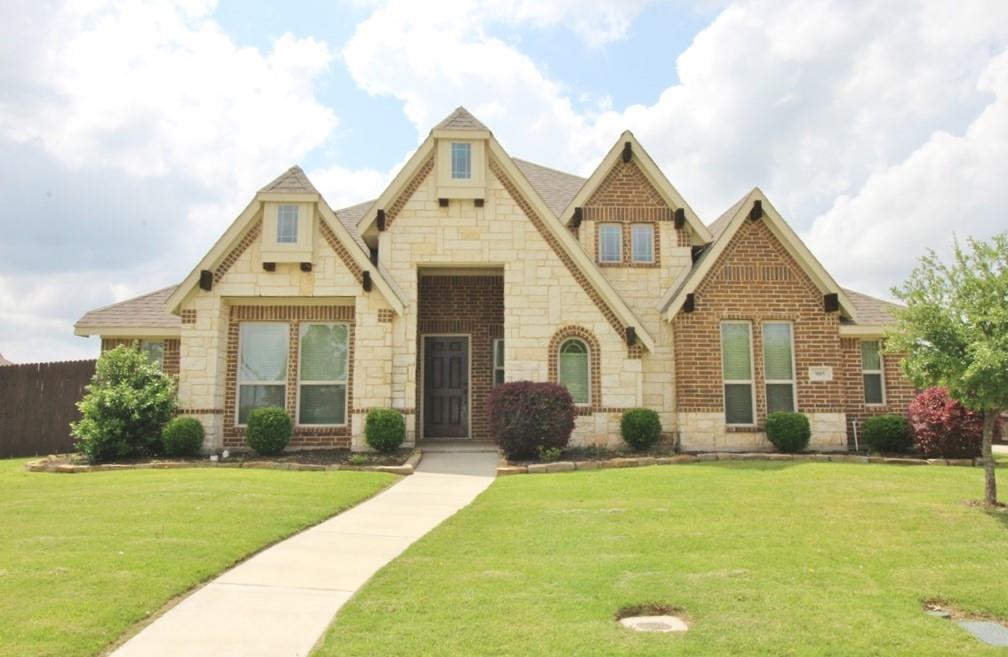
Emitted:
pixel 287 224
pixel 461 161
pixel 871 370
pixel 610 246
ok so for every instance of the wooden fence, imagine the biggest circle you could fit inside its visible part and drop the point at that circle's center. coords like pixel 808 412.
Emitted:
pixel 37 403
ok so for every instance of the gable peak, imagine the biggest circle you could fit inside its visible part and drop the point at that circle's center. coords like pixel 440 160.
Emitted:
pixel 461 119
pixel 293 180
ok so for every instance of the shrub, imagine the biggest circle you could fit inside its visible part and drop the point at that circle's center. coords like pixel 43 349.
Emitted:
pixel 525 416
pixel 384 429
pixel 550 454
pixel 127 403
pixel 182 436
pixel 788 432
pixel 269 430
pixel 944 428
pixel 358 459
pixel 887 433
pixel 640 428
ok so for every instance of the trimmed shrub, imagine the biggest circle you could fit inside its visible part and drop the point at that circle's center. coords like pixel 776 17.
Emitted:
pixel 269 430
pixel 944 428
pixel 640 428
pixel 788 432
pixel 384 429
pixel 182 436
pixel 525 416
pixel 887 433
pixel 127 403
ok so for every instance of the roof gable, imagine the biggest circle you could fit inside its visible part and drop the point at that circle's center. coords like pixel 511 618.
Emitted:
pixel 292 180
pixel 145 314
pixel 462 120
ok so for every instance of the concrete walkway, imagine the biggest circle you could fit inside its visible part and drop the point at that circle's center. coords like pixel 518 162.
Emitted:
pixel 279 602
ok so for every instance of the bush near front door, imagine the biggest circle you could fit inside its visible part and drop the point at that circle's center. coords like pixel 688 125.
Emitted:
pixel 526 416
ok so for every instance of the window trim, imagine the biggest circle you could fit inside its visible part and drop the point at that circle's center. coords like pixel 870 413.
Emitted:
pixel 794 374
pixel 297 221
pixel 588 369
pixel 751 381
pixel 468 150
pixel 619 254
pixel 880 371
pixel 239 382
pixel 494 365
pixel 651 242
pixel 334 382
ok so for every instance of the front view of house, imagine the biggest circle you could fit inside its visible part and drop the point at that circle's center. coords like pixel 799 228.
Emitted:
pixel 474 268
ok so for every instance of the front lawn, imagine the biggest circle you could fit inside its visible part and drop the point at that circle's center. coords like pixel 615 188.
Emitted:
pixel 765 559
pixel 83 557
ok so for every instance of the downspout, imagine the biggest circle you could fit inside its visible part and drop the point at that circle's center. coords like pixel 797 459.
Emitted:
pixel 854 425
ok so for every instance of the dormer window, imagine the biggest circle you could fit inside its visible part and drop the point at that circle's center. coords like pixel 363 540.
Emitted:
pixel 461 161
pixel 287 224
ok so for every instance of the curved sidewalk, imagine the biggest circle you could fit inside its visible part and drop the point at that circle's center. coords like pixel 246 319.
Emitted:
pixel 279 602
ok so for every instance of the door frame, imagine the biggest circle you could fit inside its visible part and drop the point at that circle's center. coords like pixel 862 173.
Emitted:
pixel 422 382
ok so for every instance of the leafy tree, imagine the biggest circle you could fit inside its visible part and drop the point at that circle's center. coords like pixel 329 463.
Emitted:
pixel 127 404
pixel 954 332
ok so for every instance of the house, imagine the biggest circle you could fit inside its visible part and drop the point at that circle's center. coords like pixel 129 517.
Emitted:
pixel 475 268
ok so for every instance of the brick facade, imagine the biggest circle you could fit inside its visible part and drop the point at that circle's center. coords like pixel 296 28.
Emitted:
pixel 470 305
pixel 594 356
pixel 899 392
pixel 170 362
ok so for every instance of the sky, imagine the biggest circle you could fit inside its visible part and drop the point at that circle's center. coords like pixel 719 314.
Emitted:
pixel 133 133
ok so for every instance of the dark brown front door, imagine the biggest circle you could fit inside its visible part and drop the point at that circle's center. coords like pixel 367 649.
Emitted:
pixel 446 386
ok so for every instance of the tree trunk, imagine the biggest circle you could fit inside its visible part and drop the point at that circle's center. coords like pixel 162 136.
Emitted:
pixel 987 452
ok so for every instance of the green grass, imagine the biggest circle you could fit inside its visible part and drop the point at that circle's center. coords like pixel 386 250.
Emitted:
pixel 765 558
pixel 84 557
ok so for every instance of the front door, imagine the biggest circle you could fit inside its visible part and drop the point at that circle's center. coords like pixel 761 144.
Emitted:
pixel 446 386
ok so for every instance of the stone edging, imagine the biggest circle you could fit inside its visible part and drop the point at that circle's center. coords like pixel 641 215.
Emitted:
pixel 634 462
pixel 405 469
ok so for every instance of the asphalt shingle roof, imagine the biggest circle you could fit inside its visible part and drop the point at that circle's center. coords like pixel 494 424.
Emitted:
pixel 556 188
pixel 292 180
pixel 872 311
pixel 460 119
pixel 146 311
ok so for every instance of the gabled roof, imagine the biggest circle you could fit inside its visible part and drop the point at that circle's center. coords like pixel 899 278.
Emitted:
pixel 725 227
pixel 872 311
pixel 460 119
pixel 650 170
pixel 143 315
pixel 555 187
pixel 292 180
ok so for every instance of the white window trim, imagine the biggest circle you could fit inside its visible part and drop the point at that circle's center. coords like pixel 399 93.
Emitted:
pixel 239 382
pixel 332 382
pixel 794 376
pixel 651 242
pixel 451 157
pixel 619 255
pixel 297 222
pixel 880 371
pixel 496 365
pixel 588 381
pixel 751 381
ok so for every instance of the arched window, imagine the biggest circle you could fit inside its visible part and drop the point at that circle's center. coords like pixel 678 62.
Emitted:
pixel 573 369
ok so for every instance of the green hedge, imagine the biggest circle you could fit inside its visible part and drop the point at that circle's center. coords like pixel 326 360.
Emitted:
pixel 269 430
pixel 640 428
pixel 182 436
pixel 788 432
pixel 384 429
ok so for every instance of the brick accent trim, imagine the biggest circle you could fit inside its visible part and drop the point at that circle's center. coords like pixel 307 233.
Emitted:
pixel 594 358
pixel 199 411
pixel 399 203
pixel 170 363
pixel 293 316
pixel 188 316
pixel 385 316
pixel 341 251
pixel 627 262
pixel 232 257
pixel 558 249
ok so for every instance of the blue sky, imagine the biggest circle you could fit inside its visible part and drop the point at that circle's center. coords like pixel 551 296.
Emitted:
pixel 132 134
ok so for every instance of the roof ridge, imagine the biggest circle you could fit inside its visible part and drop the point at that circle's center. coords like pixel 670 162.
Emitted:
pixel 548 168
pixel 136 298
pixel 294 174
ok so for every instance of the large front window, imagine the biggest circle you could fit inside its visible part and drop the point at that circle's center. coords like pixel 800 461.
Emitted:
pixel 262 366
pixel 322 378
pixel 737 372
pixel 461 161
pixel 778 366
pixel 574 370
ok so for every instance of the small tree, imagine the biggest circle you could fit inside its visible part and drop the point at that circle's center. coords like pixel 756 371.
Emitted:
pixel 128 402
pixel 954 332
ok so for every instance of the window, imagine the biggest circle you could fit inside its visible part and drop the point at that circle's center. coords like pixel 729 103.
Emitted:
pixel 498 361
pixel 778 366
pixel 262 367
pixel 287 224
pixel 610 246
pixel 154 350
pixel 573 369
pixel 871 371
pixel 461 161
pixel 642 242
pixel 736 371
pixel 322 390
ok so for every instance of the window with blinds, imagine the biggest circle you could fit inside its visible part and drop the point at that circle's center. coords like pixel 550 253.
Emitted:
pixel 642 242
pixel 322 377
pixel 610 246
pixel 262 366
pixel 872 372
pixel 737 373
pixel 778 366
pixel 573 370
pixel 498 361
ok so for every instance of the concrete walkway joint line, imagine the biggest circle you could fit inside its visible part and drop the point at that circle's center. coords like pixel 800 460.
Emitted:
pixel 280 602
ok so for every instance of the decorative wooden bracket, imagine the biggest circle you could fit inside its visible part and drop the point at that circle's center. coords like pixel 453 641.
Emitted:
pixel 269 266
pixel 206 280
pixel 690 304
pixel 366 280
pixel 381 220
pixel 627 151
pixel 578 216
pixel 680 218
pixel 831 302
pixel 306 266
pixel 631 336
pixel 757 210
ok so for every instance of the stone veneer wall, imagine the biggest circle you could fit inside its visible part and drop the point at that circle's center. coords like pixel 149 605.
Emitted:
pixel 756 280
pixel 471 305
